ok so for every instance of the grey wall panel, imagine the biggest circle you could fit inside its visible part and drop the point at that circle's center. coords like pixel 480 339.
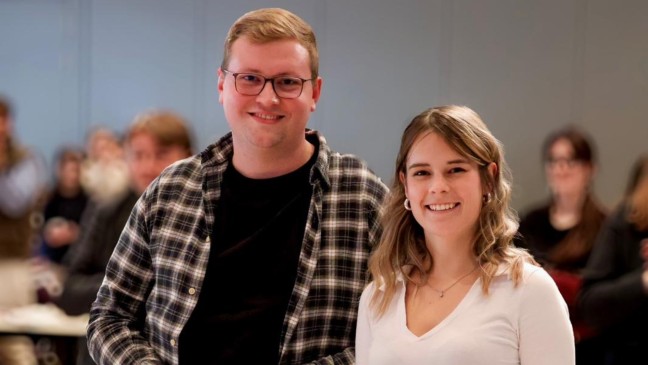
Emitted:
pixel 527 67
pixel 31 72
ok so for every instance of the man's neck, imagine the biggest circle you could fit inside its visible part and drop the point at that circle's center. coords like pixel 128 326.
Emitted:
pixel 265 164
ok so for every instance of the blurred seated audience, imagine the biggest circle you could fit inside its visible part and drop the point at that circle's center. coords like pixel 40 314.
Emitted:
pixel 154 141
pixel 560 233
pixel 615 288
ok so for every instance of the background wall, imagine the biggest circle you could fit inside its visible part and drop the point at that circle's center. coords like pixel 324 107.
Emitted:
pixel 527 67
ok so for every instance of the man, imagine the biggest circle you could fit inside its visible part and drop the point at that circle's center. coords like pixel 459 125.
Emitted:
pixel 254 251
pixel 154 141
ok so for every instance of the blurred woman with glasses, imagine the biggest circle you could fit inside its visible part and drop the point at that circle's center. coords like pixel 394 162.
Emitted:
pixel 561 232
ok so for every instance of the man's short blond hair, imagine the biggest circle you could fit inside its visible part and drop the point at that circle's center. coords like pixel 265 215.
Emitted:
pixel 273 24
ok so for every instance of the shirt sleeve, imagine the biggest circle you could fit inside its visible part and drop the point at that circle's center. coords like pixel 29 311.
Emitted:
pixel 115 329
pixel 545 332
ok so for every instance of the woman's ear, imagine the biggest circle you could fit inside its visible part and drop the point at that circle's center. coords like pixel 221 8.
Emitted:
pixel 403 181
pixel 492 171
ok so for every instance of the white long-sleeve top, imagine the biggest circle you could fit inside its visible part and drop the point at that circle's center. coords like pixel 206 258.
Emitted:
pixel 527 325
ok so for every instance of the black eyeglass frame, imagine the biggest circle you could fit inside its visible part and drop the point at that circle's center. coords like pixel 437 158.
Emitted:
pixel 567 161
pixel 265 81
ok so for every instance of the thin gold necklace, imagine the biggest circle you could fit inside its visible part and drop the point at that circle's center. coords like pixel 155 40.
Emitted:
pixel 442 292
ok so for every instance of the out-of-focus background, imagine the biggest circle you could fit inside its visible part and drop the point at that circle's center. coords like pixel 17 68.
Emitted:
pixel 526 66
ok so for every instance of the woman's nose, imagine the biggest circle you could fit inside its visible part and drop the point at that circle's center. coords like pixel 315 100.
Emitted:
pixel 438 184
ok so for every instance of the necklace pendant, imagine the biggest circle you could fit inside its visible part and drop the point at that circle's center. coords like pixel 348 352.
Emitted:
pixel 441 294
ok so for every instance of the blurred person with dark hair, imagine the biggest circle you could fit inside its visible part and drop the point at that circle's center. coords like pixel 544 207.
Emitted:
pixel 154 141
pixel 561 232
pixel 65 205
pixel 615 287
pixel 22 184
pixel 21 189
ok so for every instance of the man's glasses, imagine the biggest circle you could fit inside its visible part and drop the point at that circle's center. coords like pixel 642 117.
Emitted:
pixel 286 87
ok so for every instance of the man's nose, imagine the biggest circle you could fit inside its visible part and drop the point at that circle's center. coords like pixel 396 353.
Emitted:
pixel 268 93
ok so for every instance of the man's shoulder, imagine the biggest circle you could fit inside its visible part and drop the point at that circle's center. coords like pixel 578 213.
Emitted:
pixel 345 169
pixel 182 170
pixel 184 176
pixel 349 164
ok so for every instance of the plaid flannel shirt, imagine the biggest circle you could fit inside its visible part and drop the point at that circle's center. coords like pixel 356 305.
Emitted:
pixel 154 277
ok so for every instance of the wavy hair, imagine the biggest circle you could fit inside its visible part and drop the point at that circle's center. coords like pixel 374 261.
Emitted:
pixel 403 241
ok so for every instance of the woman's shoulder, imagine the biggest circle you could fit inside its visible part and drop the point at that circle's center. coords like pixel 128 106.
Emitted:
pixel 537 279
pixel 526 271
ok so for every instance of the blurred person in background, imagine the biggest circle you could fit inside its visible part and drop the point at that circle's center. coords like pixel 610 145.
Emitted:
pixel 104 174
pixel 22 185
pixel 615 287
pixel 561 232
pixel 154 141
pixel 64 206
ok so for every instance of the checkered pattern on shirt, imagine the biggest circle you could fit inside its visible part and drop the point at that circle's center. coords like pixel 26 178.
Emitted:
pixel 154 277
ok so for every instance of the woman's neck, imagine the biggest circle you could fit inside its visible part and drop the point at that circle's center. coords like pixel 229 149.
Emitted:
pixel 566 210
pixel 451 257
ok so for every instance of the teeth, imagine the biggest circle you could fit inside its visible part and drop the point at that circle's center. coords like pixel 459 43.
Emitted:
pixel 437 207
pixel 267 116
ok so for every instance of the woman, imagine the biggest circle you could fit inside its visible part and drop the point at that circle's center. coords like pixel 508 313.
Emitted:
pixel 449 286
pixel 560 234
pixel 615 280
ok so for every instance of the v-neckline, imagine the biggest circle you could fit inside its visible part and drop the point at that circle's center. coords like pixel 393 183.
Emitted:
pixel 465 301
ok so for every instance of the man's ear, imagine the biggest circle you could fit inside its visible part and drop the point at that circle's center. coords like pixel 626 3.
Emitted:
pixel 317 92
pixel 221 81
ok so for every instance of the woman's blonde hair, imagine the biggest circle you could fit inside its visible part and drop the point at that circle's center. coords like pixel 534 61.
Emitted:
pixel 403 241
pixel 273 24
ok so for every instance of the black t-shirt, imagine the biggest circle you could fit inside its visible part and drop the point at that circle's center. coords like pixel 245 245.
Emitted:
pixel 539 235
pixel 256 242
